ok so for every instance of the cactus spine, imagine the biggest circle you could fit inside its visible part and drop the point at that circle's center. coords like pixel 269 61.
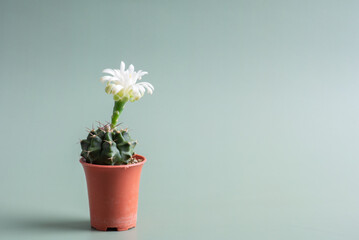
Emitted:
pixel 108 146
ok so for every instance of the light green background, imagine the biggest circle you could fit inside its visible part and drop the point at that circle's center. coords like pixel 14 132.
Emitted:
pixel 251 133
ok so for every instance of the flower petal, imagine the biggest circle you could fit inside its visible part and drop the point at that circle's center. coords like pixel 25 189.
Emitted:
pixel 107 78
pixel 141 89
pixel 116 89
pixel 142 74
pixel 118 74
pixel 131 68
pixel 122 83
pixel 122 67
pixel 108 88
pixel 148 86
pixel 109 71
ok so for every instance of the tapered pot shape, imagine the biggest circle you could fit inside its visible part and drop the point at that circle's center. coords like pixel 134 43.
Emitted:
pixel 113 194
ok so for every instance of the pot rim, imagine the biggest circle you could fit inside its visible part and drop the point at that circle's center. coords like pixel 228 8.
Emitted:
pixel 84 163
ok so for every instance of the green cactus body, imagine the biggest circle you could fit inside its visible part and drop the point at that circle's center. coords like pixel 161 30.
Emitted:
pixel 106 146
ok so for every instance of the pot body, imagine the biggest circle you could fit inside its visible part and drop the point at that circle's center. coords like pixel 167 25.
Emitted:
pixel 113 194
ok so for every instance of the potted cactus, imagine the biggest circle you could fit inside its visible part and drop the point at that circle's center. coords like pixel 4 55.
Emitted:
pixel 111 166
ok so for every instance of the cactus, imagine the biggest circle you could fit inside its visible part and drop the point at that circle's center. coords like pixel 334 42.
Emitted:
pixel 108 146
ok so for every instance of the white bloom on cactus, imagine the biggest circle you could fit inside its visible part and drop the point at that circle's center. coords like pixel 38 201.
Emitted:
pixel 123 83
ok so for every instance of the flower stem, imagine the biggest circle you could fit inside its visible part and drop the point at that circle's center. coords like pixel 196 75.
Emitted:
pixel 117 109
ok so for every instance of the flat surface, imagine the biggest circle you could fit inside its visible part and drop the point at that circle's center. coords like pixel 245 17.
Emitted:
pixel 251 133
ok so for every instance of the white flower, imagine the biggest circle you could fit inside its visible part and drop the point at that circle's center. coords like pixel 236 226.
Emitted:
pixel 122 83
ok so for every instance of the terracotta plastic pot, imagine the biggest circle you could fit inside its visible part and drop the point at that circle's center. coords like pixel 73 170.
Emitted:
pixel 113 194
